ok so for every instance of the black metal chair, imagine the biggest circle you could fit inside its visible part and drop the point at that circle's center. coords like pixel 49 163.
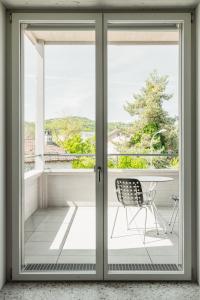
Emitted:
pixel 130 194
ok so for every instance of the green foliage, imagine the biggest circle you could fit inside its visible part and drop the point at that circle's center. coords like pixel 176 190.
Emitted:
pixel 147 104
pixel 83 163
pixel 160 162
pixel 151 128
pixel 112 163
pixel 149 117
pixel 77 145
pixel 136 138
pixel 127 162
pixel 174 163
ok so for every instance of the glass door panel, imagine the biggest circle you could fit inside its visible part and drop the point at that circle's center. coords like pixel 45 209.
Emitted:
pixel 144 211
pixel 59 203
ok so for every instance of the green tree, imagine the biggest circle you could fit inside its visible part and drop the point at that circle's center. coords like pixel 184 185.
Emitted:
pixel 64 128
pixel 127 162
pixel 77 145
pixel 149 116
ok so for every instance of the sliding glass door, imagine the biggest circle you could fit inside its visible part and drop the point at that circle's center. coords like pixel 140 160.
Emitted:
pixel 101 146
pixel 61 187
pixel 144 157
pixel 143 148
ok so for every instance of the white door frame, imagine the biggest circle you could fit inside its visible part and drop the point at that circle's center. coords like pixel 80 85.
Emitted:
pixel 17 141
pixel 184 21
pixel 101 121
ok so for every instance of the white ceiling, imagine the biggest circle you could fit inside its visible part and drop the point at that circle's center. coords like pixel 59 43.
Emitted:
pixel 114 36
pixel 100 4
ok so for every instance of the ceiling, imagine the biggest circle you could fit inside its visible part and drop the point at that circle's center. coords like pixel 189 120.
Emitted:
pixel 116 36
pixel 100 4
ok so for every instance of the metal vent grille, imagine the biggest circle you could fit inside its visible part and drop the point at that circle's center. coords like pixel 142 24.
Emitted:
pixel 60 267
pixel 92 267
pixel 144 267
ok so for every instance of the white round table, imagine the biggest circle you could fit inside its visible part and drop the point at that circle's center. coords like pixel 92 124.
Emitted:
pixel 153 180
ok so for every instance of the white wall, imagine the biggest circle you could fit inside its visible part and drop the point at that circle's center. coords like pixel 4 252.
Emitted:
pixel 31 193
pixel 78 187
pixel 198 133
pixel 2 144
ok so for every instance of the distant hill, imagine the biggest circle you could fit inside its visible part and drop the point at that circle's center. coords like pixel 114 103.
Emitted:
pixel 82 124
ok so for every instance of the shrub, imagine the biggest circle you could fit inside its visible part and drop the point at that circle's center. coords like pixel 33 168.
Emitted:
pixel 174 163
pixel 127 162
pixel 83 163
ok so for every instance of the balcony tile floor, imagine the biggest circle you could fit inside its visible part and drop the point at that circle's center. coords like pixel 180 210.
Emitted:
pixel 67 235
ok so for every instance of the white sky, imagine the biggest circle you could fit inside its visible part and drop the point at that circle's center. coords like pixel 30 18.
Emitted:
pixel 70 78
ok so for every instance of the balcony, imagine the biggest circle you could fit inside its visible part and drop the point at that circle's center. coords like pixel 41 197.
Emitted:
pixel 59 208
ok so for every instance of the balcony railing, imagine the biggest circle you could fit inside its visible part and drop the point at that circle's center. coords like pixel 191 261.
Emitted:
pixel 167 154
pixel 48 158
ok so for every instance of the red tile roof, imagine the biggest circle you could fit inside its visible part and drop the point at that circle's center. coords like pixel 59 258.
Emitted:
pixel 52 152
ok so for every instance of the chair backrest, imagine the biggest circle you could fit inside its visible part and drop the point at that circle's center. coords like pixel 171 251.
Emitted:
pixel 129 191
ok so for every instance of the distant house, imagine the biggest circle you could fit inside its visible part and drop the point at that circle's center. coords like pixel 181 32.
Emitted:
pixel 54 156
pixel 115 138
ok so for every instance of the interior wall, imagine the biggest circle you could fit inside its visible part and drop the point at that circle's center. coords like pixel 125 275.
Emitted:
pixel 2 143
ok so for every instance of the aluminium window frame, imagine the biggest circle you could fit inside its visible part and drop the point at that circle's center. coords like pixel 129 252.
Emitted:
pixel 101 78
pixel 18 19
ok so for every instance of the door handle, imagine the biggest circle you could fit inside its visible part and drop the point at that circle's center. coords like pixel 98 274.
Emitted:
pixel 99 173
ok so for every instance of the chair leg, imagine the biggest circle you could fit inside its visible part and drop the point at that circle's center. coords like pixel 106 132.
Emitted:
pixel 114 223
pixel 135 215
pixel 158 215
pixel 174 220
pixel 172 215
pixel 155 217
pixel 145 224
pixel 127 218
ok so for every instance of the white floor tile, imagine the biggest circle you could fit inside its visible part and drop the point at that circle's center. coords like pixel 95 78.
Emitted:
pixel 162 250
pixel 27 235
pixel 40 259
pixel 57 211
pixel 54 218
pixel 128 252
pixel 49 226
pixel 85 259
pixel 75 252
pixel 129 259
pixel 165 259
pixel 42 236
pixel 41 212
pixel 82 232
pixel 33 222
pixel 126 246
pixel 39 248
